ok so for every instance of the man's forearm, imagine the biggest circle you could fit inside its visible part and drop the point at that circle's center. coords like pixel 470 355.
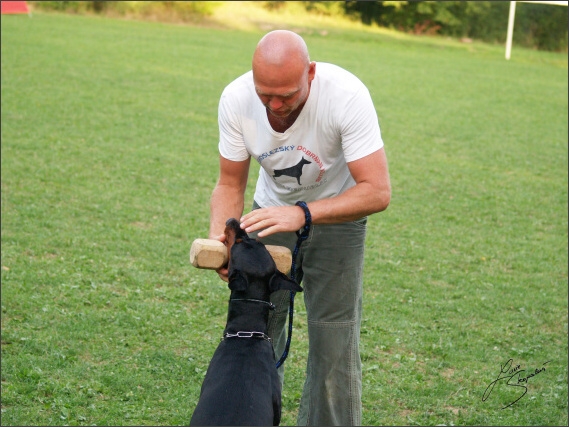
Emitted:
pixel 371 194
pixel 355 203
pixel 226 202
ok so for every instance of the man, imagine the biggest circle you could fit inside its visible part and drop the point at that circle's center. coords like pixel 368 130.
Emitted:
pixel 314 130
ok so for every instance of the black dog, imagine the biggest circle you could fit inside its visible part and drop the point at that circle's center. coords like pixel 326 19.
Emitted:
pixel 242 386
pixel 294 171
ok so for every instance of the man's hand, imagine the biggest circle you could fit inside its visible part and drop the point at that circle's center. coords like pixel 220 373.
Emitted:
pixel 277 219
pixel 223 272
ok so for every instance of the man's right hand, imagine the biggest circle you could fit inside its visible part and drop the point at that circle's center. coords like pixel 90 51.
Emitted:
pixel 223 272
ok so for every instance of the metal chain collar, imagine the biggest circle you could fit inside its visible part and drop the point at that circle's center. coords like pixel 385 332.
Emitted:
pixel 247 334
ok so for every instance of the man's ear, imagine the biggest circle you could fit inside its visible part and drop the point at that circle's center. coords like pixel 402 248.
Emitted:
pixel 237 281
pixel 281 281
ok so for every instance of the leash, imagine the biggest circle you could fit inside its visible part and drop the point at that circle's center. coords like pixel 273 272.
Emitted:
pixel 301 237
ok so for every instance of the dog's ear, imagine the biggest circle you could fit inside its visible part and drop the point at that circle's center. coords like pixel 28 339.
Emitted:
pixel 281 281
pixel 237 281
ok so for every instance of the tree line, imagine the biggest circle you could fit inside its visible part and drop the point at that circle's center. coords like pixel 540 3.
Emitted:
pixel 538 26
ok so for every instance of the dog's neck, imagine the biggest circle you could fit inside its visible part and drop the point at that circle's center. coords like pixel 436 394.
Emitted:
pixel 247 313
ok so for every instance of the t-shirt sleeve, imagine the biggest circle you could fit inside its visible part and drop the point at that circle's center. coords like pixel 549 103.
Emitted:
pixel 231 141
pixel 359 128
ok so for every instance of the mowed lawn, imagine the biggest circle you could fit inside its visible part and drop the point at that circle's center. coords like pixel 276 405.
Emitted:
pixel 109 155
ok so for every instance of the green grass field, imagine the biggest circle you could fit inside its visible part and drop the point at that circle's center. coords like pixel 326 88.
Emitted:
pixel 109 156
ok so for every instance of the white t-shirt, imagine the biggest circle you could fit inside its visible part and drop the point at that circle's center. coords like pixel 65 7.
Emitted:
pixel 338 124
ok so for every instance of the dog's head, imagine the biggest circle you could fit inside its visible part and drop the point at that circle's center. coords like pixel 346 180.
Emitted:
pixel 251 264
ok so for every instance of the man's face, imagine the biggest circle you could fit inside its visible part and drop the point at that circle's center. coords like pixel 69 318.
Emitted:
pixel 285 89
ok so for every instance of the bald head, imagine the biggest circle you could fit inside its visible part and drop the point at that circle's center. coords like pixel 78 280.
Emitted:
pixel 280 48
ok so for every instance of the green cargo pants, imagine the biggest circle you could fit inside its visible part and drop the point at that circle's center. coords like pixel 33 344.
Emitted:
pixel 330 266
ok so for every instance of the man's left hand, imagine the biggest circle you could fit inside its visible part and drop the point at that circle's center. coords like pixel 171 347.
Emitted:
pixel 277 219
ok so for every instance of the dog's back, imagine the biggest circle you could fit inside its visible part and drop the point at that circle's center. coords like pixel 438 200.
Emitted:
pixel 244 388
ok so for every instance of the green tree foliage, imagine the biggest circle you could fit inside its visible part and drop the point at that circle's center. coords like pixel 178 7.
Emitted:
pixel 161 10
pixel 536 25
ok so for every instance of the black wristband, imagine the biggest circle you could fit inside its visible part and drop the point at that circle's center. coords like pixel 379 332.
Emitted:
pixel 307 217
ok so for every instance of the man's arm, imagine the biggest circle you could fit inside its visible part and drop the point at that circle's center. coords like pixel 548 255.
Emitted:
pixel 227 200
pixel 228 197
pixel 371 194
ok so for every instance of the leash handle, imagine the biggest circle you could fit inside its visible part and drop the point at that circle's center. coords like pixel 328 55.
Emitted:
pixel 302 236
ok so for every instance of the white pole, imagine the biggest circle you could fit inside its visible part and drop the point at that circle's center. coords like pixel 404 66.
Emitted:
pixel 510 29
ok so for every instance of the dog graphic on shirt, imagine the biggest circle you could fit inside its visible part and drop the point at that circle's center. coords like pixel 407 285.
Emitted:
pixel 293 171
